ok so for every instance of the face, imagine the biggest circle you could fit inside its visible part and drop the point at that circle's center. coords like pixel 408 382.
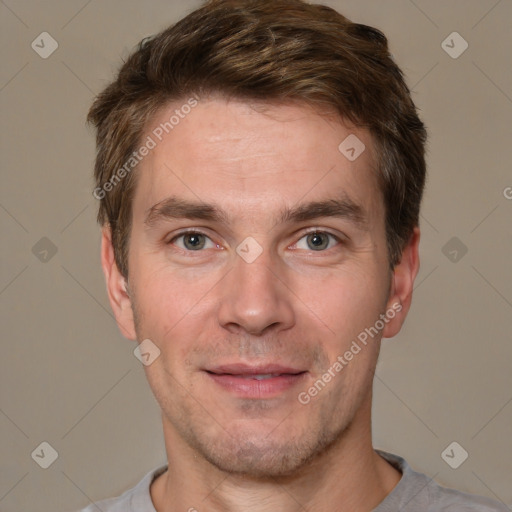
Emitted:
pixel 257 259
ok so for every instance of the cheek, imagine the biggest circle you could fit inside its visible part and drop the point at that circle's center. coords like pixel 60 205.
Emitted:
pixel 174 305
pixel 164 288
pixel 346 300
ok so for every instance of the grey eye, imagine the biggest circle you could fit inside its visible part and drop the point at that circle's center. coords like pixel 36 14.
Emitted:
pixel 194 241
pixel 318 241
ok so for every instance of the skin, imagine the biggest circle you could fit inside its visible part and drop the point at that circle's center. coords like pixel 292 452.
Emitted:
pixel 295 305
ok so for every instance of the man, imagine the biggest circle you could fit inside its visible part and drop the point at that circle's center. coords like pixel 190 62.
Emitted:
pixel 260 170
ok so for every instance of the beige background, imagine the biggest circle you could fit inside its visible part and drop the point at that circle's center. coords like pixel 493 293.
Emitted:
pixel 70 379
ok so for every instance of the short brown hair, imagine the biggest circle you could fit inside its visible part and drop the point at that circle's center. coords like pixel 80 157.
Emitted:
pixel 275 51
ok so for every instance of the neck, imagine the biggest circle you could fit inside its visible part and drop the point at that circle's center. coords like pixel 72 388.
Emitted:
pixel 348 476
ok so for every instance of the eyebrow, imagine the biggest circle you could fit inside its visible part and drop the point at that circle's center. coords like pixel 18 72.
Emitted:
pixel 176 208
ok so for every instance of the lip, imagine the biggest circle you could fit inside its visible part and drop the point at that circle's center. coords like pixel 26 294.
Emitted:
pixel 246 369
pixel 240 379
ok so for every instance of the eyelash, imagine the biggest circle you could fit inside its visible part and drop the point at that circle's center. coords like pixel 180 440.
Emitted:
pixel 188 232
pixel 305 234
pixel 312 231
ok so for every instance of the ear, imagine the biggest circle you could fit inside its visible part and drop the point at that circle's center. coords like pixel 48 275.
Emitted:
pixel 116 287
pixel 402 283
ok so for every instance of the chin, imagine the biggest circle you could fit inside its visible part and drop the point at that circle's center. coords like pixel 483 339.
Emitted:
pixel 263 456
pixel 252 461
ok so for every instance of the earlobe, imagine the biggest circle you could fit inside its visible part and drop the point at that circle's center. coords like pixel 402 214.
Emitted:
pixel 402 285
pixel 117 289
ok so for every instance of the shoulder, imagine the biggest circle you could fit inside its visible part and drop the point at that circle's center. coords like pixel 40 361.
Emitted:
pixel 416 492
pixel 136 499
pixel 117 504
pixel 451 500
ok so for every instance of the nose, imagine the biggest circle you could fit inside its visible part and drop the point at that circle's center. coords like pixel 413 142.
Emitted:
pixel 254 300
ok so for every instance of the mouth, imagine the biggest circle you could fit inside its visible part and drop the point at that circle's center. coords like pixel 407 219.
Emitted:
pixel 263 381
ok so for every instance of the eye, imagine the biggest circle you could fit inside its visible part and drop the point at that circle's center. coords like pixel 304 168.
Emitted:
pixel 317 241
pixel 192 241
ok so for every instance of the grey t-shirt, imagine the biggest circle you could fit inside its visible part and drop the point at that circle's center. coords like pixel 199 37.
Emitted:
pixel 415 492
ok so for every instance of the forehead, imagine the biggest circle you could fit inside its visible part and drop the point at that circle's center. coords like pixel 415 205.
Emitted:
pixel 243 155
